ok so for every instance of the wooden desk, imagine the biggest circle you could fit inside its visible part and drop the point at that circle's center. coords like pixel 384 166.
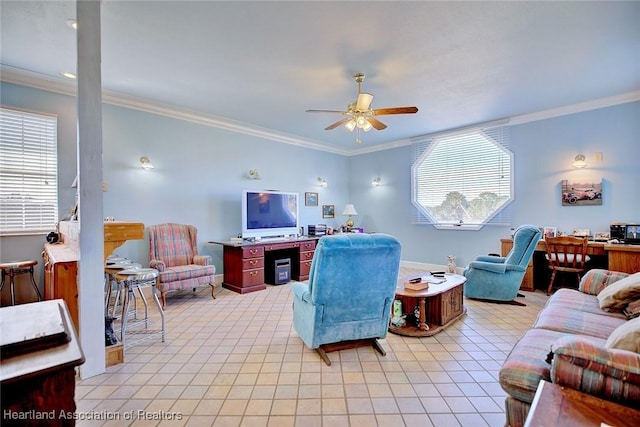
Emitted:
pixel 625 258
pixel 247 266
pixel 558 406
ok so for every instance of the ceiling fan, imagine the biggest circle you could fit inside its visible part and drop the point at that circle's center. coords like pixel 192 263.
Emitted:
pixel 360 115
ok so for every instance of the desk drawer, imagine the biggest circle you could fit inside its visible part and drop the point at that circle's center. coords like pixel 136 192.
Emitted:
pixel 305 268
pixel 306 256
pixel 253 252
pixel 252 263
pixel 253 277
pixel 308 246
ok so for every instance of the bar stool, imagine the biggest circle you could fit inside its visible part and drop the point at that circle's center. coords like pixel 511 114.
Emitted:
pixel 130 280
pixel 110 271
pixel 13 269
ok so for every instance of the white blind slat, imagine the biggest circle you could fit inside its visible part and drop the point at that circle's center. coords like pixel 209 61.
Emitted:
pixel 463 178
pixel 28 172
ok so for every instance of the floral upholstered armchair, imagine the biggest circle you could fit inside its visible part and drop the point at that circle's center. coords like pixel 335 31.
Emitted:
pixel 173 252
pixel 347 301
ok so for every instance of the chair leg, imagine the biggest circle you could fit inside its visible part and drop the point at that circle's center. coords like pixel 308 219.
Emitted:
pixel 553 277
pixel 35 286
pixel 323 356
pixel 164 299
pixel 378 347
pixel 213 288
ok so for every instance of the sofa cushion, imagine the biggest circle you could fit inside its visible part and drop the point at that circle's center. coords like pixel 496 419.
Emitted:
pixel 569 321
pixel 626 336
pixel 632 310
pixel 576 300
pixel 617 295
pixel 185 272
pixel 526 364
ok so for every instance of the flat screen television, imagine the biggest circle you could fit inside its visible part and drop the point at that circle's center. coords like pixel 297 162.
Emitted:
pixel 632 234
pixel 269 213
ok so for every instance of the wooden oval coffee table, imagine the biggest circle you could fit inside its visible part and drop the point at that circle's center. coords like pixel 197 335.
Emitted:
pixel 438 306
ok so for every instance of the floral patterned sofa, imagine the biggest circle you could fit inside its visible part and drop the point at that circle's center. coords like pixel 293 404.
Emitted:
pixel 577 344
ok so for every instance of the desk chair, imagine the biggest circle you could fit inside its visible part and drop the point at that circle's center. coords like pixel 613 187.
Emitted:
pixel 566 254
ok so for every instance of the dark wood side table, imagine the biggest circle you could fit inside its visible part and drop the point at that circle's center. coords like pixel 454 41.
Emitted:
pixel 558 406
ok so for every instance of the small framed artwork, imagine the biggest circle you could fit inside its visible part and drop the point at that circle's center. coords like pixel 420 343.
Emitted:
pixel 582 232
pixel 328 211
pixel 310 199
pixel 601 236
pixel 587 193
pixel 550 232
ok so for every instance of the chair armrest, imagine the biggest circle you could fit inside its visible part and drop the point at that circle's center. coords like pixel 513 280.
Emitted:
pixel 202 259
pixel 488 266
pixel 157 264
pixel 301 290
pixel 493 259
pixel 583 364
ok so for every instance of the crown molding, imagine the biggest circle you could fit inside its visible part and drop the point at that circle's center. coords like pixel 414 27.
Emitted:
pixel 67 87
pixel 64 87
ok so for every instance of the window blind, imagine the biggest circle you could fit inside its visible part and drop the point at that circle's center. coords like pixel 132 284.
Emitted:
pixel 28 172
pixel 463 179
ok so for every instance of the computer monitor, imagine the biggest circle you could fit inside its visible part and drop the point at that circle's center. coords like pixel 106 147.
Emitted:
pixel 632 234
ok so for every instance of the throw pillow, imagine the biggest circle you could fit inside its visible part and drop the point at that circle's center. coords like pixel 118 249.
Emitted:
pixel 626 336
pixel 632 310
pixel 618 294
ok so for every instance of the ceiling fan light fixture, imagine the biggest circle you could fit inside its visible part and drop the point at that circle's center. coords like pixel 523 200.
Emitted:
pixel 367 126
pixel 361 121
pixel 350 125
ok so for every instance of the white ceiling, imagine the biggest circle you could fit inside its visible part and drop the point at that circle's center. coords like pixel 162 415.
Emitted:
pixel 264 63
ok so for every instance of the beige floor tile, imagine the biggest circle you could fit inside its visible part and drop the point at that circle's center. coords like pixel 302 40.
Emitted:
pixel 217 369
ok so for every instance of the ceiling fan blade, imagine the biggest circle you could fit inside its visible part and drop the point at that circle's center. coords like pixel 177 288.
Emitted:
pixel 364 101
pixel 338 123
pixel 376 123
pixel 395 110
pixel 325 111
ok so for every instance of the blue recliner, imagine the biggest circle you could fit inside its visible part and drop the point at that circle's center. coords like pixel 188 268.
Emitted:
pixel 499 278
pixel 347 302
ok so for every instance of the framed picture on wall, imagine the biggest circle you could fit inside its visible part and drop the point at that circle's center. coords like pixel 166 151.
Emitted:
pixel 310 199
pixel 328 211
pixel 581 193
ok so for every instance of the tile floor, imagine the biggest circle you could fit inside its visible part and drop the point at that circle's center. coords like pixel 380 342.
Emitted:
pixel 236 361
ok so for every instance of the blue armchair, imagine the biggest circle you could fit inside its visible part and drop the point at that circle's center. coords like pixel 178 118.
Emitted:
pixel 347 301
pixel 499 278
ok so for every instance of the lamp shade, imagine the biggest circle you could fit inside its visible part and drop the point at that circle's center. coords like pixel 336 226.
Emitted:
pixel 349 210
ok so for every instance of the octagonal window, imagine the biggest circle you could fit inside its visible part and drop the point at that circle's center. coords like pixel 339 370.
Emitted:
pixel 463 180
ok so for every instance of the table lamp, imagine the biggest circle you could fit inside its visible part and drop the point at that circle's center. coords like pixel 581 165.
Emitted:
pixel 349 210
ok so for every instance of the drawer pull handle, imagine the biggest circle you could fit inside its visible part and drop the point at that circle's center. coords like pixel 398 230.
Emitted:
pixel 253 273
pixel 253 251
pixel 253 262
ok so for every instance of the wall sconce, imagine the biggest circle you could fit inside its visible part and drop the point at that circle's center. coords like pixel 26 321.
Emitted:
pixel 579 162
pixel 322 182
pixel 254 174
pixel 145 163
pixel 376 181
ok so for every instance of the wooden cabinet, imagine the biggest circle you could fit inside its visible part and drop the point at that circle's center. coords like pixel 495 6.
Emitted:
pixel 625 258
pixel 445 307
pixel 247 265
pixel 61 277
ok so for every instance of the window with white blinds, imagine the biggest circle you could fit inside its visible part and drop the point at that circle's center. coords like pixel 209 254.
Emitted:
pixel 28 172
pixel 463 179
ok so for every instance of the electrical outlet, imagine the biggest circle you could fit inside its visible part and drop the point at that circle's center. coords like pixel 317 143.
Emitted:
pixel 598 156
pixel 105 187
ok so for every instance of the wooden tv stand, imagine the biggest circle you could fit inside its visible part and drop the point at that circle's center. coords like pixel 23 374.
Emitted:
pixel 245 264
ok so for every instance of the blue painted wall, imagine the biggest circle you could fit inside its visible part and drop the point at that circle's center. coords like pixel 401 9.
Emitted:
pixel 201 171
pixel 544 151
